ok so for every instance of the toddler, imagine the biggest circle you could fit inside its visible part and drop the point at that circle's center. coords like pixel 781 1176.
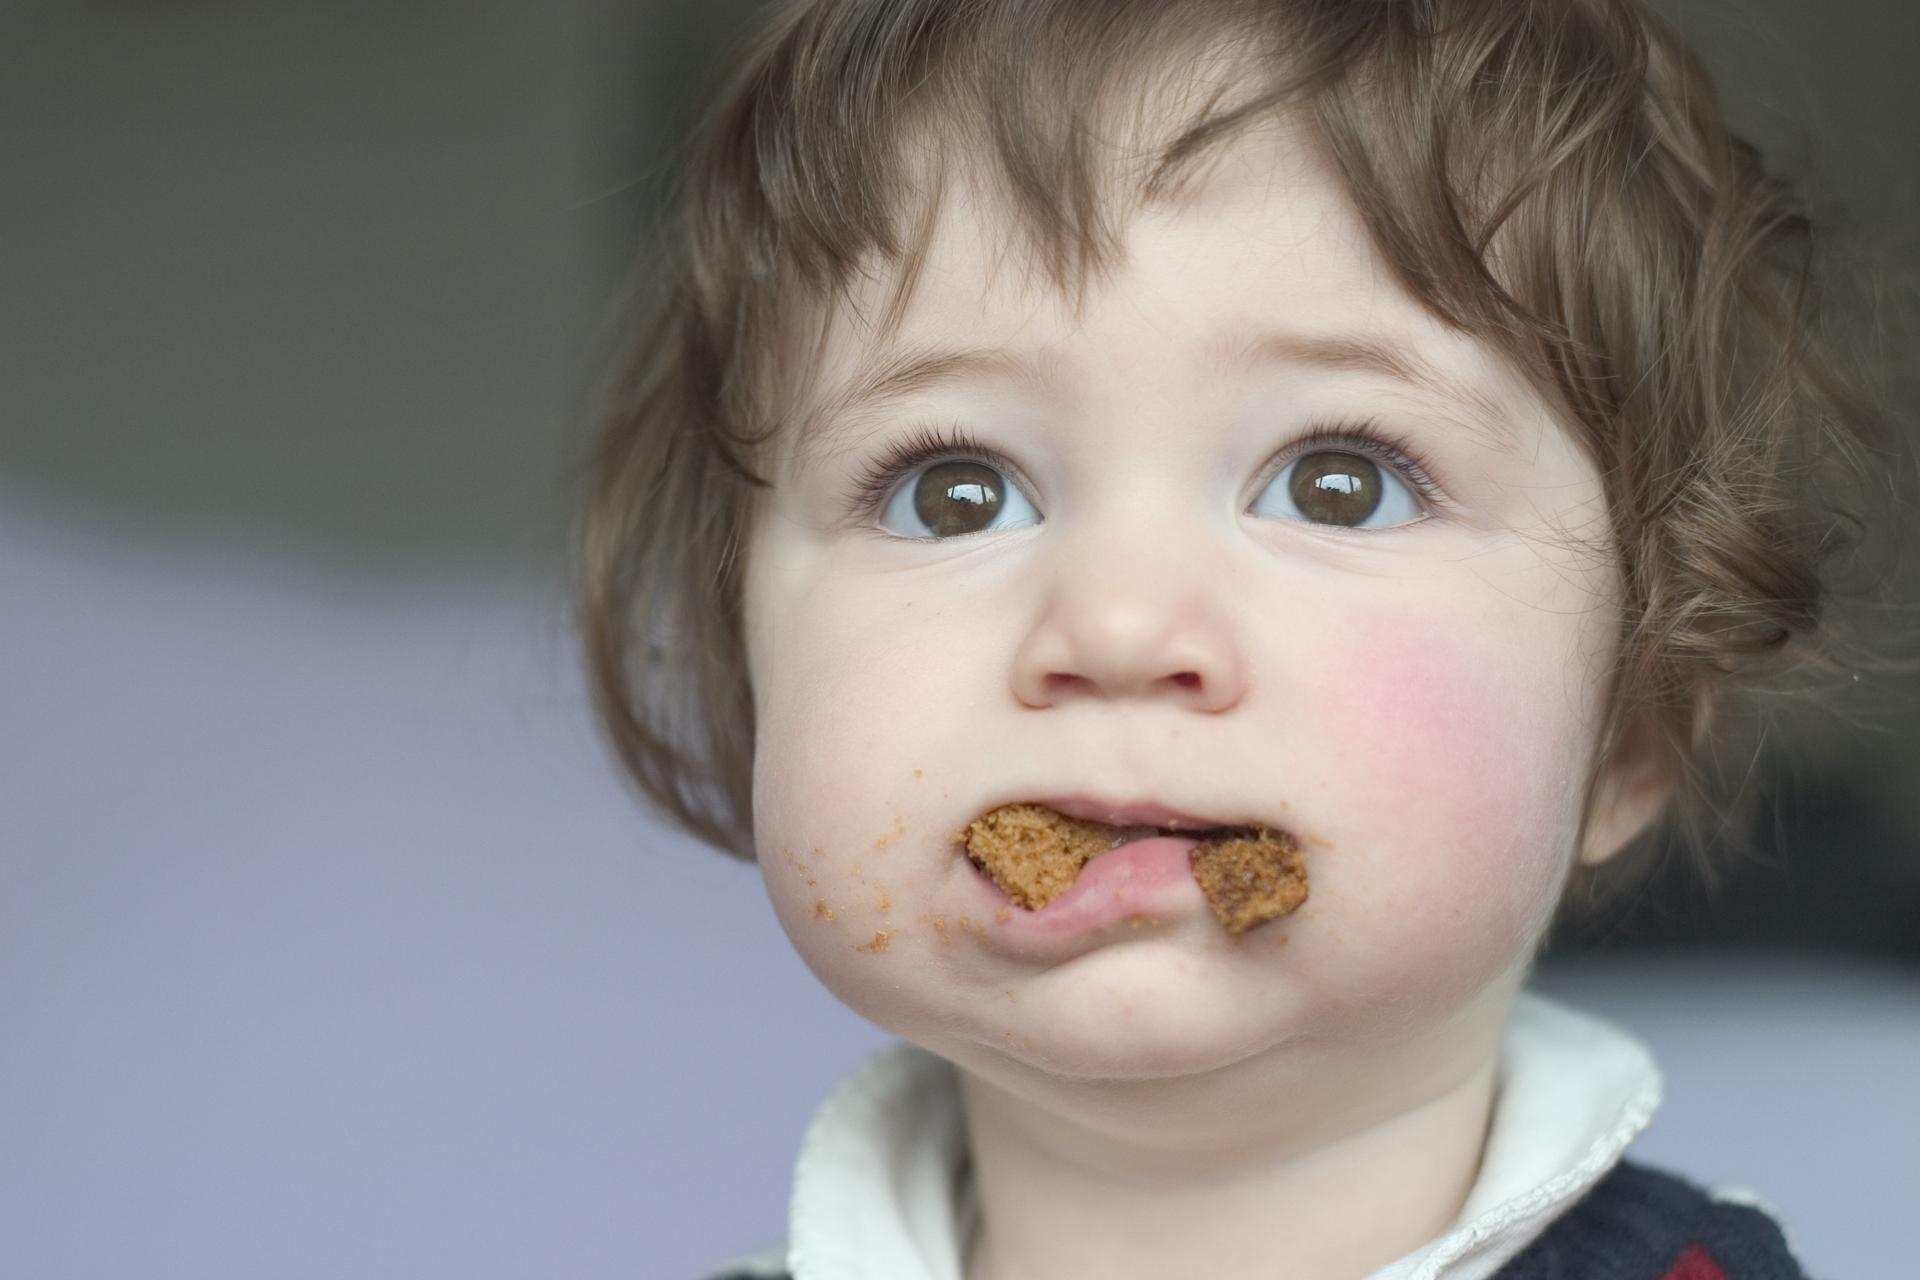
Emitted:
pixel 1388 430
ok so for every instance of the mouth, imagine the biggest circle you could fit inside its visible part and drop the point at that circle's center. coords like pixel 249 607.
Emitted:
pixel 1034 851
pixel 1201 834
pixel 1138 815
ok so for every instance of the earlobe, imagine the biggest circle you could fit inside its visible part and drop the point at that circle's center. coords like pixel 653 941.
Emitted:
pixel 1637 786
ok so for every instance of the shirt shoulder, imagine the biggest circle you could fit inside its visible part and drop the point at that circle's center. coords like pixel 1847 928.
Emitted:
pixel 765 1264
pixel 1643 1223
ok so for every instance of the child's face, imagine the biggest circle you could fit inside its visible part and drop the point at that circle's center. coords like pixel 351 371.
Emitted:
pixel 1155 613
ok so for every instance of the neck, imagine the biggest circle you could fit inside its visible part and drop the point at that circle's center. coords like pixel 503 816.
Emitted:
pixel 1367 1160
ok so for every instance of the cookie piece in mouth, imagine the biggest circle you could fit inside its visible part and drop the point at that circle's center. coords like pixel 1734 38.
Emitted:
pixel 1249 875
pixel 1032 852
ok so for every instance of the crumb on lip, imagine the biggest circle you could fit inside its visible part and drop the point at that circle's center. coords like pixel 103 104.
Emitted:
pixel 1249 875
pixel 1250 880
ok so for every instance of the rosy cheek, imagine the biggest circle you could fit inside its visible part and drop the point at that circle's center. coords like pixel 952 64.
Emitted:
pixel 1449 766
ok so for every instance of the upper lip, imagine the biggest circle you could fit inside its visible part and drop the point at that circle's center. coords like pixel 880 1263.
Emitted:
pixel 1131 813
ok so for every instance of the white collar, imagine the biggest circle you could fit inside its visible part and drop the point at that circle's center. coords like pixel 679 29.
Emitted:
pixel 880 1191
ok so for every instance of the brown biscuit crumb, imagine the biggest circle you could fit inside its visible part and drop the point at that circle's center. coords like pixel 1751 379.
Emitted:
pixel 1032 852
pixel 1248 875
pixel 1251 878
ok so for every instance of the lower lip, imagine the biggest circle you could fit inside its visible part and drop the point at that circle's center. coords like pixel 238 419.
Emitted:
pixel 1118 885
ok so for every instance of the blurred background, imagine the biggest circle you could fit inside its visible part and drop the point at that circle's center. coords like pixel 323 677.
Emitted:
pixel 330 942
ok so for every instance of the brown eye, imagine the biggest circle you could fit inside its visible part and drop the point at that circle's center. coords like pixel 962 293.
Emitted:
pixel 1336 488
pixel 957 497
pixel 1339 488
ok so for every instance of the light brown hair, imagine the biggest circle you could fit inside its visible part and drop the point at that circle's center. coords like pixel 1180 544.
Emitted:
pixel 1553 177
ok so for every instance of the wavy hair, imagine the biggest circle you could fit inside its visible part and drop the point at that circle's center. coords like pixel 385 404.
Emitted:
pixel 1554 177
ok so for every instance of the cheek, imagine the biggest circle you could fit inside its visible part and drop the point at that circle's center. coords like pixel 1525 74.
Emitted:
pixel 1452 731
pixel 1450 764
pixel 845 769
pixel 825 715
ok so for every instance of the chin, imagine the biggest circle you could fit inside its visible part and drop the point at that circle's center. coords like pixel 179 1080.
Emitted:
pixel 1139 1035
pixel 1138 1057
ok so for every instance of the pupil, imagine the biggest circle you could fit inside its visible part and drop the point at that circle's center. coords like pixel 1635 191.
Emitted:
pixel 958 497
pixel 1336 488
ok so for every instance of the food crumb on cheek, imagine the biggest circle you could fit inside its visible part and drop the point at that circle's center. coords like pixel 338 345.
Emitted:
pixel 882 941
pixel 821 911
pixel 805 872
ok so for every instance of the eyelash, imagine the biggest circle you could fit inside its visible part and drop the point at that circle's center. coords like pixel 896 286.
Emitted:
pixel 947 443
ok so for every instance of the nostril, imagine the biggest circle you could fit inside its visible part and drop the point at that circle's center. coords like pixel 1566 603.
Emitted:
pixel 1188 679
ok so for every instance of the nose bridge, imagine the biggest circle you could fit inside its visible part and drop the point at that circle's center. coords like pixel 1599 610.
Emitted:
pixel 1137 605
pixel 1131 541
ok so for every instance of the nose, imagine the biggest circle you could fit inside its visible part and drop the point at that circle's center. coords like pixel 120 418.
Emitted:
pixel 1120 625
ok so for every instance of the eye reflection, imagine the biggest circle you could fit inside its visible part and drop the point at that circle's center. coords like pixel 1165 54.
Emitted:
pixel 957 497
pixel 1327 487
pixel 1340 487
pixel 953 498
pixel 1333 487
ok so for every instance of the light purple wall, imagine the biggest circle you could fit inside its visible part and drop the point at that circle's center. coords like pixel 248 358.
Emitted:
pixel 329 945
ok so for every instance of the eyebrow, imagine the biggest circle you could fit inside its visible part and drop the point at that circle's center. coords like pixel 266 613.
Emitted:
pixel 823 431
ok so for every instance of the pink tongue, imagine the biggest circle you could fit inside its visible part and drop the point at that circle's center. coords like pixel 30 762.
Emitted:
pixel 1130 869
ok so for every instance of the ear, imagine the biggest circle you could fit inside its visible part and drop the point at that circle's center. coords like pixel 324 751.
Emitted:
pixel 1634 789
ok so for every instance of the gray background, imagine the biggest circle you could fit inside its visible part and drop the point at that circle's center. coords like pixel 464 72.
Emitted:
pixel 330 944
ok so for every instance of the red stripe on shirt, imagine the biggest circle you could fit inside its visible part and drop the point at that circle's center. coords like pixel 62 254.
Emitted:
pixel 1695 1264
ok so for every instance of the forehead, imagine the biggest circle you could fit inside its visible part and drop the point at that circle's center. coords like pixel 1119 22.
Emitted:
pixel 1259 260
